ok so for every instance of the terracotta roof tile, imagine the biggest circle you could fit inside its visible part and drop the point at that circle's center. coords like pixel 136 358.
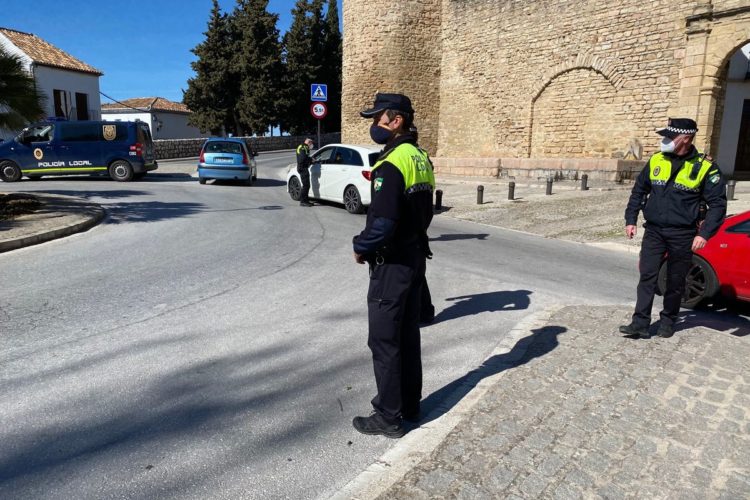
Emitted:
pixel 148 104
pixel 46 54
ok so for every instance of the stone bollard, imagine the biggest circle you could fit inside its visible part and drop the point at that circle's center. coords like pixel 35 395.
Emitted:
pixel 439 199
pixel 730 189
pixel 511 190
pixel 549 185
pixel 585 182
pixel 480 194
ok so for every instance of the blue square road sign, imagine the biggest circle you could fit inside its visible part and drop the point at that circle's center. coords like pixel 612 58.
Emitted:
pixel 319 92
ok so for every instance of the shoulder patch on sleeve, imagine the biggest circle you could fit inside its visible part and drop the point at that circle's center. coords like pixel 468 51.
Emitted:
pixel 378 184
pixel 714 178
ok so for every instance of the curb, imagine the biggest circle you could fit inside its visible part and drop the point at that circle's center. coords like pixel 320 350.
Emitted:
pixel 410 450
pixel 94 217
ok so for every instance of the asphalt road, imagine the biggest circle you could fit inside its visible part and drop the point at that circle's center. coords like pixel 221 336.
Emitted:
pixel 210 341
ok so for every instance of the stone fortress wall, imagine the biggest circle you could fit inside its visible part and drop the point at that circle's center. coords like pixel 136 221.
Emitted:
pixel 512 86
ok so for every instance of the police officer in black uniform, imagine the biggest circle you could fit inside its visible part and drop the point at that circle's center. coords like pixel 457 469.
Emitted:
pixel 303 169
pixel 669 190
pixel 394 244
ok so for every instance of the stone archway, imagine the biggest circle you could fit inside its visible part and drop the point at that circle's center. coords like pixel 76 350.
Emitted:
pixel 713 37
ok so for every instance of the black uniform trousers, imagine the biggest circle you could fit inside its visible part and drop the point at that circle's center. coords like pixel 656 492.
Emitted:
pixel 393 310
pixel 304 174
pixel 658 241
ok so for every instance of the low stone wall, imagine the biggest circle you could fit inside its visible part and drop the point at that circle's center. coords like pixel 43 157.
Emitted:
pixel 187 148
pixel 607 169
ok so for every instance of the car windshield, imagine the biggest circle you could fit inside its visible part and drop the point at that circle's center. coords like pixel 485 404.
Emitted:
pixel 224 147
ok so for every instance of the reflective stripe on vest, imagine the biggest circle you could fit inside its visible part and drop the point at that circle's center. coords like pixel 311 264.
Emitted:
pixel 689 178
pixel 414 166
pixel 301 147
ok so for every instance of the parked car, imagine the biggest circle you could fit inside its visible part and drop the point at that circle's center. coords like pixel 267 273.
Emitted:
pixel 124 150
pixel 339 173
pixel 722 266
pixel 227 159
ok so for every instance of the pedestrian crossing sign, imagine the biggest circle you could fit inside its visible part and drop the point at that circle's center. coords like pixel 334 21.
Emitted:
pixel 319 92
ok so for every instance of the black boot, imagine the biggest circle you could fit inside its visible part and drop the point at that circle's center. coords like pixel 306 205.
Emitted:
pixel 376 424
pixel 665 330
pixel 635 330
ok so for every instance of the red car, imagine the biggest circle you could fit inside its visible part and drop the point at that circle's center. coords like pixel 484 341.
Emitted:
pixel 723 265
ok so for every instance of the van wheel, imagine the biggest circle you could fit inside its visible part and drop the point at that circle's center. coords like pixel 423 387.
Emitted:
pixel 121 171
pixel 9 171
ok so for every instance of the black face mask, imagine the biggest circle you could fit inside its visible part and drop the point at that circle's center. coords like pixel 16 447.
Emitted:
pixel 379 134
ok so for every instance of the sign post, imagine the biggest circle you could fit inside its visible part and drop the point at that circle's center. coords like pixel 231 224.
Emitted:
pixel 319 96
pixel 319 111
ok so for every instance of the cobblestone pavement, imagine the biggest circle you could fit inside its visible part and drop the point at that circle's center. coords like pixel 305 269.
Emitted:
pixel 588 413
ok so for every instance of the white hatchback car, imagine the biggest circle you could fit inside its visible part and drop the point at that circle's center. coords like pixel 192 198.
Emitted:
pixel 339 173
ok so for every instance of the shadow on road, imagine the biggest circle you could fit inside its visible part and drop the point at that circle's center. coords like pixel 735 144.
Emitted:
pixel 722 315
pixel 469 305
pixel 454 237
pixel 542 341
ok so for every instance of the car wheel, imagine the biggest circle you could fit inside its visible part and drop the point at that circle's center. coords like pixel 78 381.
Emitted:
pixel 255 174
pixel 201 180
pixel 295 188
pixel 121 171
pixel 249 181
pixel 10 172
pixel 700 284
pixel 352 200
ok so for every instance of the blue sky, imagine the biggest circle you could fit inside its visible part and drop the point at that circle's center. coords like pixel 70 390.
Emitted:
pixel 142 47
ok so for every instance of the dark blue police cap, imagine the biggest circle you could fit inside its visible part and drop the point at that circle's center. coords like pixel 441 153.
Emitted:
pixel 678 126
pixel 396 102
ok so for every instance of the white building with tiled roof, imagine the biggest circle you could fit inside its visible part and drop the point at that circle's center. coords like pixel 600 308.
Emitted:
pixel 71 85
pixel 168 119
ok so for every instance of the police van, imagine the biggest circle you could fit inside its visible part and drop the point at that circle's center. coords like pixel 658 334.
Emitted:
pixel 122 150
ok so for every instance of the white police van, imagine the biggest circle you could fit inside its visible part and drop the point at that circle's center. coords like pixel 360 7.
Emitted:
pixel 122 150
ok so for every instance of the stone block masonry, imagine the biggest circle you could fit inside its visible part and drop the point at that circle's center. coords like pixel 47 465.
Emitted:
pixel 559 79
pixel 187 148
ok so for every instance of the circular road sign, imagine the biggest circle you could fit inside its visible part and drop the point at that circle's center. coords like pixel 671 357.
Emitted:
pixel 319 110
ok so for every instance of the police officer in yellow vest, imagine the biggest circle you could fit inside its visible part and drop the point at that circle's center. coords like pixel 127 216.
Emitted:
pixel 394 243
pixel 669 190
pixel 303 168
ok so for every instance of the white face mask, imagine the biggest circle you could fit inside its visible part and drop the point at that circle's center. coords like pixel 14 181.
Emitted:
pixel 667 145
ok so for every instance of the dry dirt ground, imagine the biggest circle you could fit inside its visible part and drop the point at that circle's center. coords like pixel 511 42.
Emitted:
pixel 595 215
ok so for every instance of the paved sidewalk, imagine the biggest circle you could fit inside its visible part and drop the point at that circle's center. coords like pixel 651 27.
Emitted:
pixel 576 410
pixel 59 216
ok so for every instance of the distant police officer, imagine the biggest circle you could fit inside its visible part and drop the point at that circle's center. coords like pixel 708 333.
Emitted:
pixel 303 168
pixel 394 243
pixel 669 190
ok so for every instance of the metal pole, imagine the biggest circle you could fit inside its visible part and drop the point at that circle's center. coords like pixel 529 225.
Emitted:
pixel 549 185
pixel 585 182
pixel 439 199
pixel 511 190
pixel 730 189
pixel 319 144
pixel 480 194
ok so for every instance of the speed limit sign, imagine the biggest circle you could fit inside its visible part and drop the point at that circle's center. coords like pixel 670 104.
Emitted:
pixel 319 110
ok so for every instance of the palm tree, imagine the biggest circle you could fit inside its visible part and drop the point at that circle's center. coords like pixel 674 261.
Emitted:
pixel 20 101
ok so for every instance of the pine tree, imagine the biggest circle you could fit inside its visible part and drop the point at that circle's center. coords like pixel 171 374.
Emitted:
pixel 302 63
pixel 212 94
pixel 257 60
pixel 20 101
pixel 331 69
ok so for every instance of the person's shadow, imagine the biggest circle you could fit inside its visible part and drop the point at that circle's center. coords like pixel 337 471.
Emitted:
pixel 542 341
pixel 467 305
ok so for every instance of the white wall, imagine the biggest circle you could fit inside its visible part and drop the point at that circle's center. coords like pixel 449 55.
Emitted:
pixel 71 82
pixel 738 89
pixel 164 125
